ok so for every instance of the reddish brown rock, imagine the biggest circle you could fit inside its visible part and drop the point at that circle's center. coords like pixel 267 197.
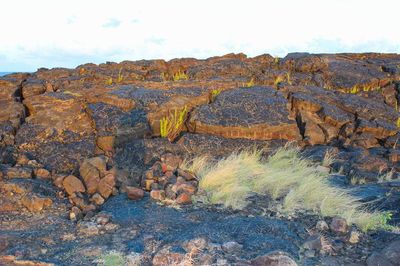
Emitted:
pixel 42 173
pixel 134 193
pixel 35 204
pixel 90 175
pixel 168 258
pixel 10 260
pixel 73 184
pixel 170 161
pixel 184 198
pixel 157 195
pixel 106 185
pixel 97 199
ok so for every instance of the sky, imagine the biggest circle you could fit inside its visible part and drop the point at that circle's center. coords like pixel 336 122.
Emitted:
pixel 67 33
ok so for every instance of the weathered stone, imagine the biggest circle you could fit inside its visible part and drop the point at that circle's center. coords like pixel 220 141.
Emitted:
pixel 339 225
pixel 322 226
pixel 264 117
pixel 168 258
pixel 35 204
pixel 134 193
pixel 171 161
pixel 19 172
pixel 157 195
pixel 97 199
pixel 73 184
pixel 184 198
pixel 314 242
pixel 42 173
pixel 10 260
pixel 276 258
pixel 90 175
pixel 106 185
pixel 88 229
pixel 75 213
pixel 231 247
pixel 32 88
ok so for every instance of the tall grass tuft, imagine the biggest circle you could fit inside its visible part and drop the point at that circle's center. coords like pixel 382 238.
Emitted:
pixel 285 176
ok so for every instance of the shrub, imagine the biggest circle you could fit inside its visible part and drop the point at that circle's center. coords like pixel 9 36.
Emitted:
pixel 113 258
pixel 285 176
pixel 214 94
pixel 249 84
pixel 109 81
pixel 120 76
pixel 171 125
pixel 180 75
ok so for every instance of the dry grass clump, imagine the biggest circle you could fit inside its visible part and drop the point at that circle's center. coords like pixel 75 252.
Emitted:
pixel 285 176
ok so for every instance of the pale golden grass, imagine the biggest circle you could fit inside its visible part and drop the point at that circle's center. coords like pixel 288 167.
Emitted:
pixel 284 176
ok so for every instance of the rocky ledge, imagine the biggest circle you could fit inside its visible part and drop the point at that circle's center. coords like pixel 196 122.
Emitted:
pixel 87 167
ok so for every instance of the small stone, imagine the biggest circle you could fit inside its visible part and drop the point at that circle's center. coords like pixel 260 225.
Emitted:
pixel 134 193
pixel 339 225
pixel 313 242
pixel 58 180
pixel 22 159
pixel 323 169
pixel 148 184
pixel 231 246
pixel 275 258
pixel 164 258
pixel 111 227
pixel 75 213
pixel 184 187
pixel 3 243
pixel 157 195
pixel 73 184
pixel 322 226
pixel 42 173
pixel 354 237
pixel 97 199
pixel 88 229
pixel 309 253
pixel 195 245
pixel 187 175
pixel 103 218
pixel 184 198
pixel 34 164
pixel 171 161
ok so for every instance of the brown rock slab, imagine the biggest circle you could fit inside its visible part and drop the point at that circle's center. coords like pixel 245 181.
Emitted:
pixel 134 193
pixel 259 113
pixel 276 258
pixel 35 204
pixel 73 184
pixel 106 185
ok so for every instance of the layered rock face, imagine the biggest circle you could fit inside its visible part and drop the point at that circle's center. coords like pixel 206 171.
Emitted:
pixel 62 116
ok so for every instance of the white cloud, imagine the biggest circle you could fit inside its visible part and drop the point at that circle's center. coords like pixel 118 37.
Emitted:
pixel 67 33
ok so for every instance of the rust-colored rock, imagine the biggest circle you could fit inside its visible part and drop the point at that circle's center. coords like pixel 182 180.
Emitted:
pixel 134 193
pixel 35 204
pixel 73 184
pixel 106 185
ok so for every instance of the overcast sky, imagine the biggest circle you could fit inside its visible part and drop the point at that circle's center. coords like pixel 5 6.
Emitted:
pixel 66 33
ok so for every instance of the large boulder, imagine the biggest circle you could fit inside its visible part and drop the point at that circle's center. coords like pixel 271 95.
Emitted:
pixel 257 113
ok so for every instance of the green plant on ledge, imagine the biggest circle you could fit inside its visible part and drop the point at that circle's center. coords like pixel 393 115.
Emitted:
pixel 180 75
pixel 249 84
pixel 171 125
pixel 214 94
pixel 109 81
pixel 120 76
